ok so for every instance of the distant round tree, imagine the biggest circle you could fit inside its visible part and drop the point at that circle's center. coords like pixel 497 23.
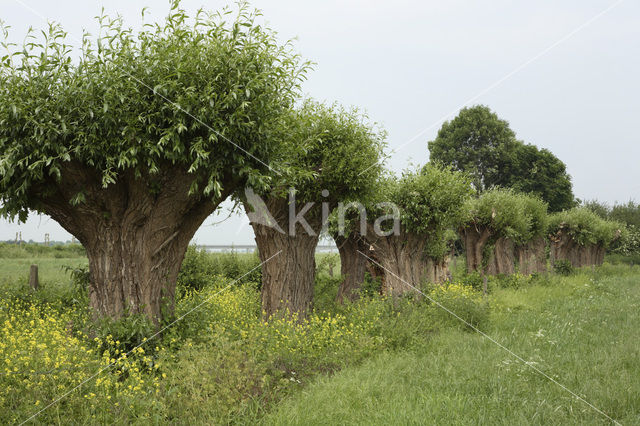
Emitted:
pixel 541 173
pixel 133 145
pixel 478 142
pixel 328 155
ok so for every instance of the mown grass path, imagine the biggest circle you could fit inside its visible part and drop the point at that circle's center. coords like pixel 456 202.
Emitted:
pixel 584 331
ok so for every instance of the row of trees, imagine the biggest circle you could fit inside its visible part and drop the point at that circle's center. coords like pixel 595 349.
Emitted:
pixel 627 213
pixel 502 231
pixel 132 146
pixel 509 229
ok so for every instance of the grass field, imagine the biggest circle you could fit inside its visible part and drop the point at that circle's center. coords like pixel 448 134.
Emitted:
pixel 582 331
pixel 50 270
pixel 373 362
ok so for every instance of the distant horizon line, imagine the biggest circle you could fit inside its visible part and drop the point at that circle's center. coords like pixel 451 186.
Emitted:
pixel 208 247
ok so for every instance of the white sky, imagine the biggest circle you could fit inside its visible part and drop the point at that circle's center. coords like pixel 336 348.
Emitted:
pixel 411 64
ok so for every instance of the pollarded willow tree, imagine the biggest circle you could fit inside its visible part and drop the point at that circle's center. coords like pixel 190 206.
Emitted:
pixel 479 143
pixel 428 205
pixel 531 248
pixel 581 237
pixel 495 221
pixel 328 161
pixel 133 145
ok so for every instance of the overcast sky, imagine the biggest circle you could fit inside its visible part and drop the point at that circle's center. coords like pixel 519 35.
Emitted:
pixel 564 74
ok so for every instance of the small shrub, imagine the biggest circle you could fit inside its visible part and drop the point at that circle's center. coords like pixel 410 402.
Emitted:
pixel 327 263
pixel 563 267
pixel 80 283
pixel 543 279
pixel 462 300
pixel 199 269
pixel 129 331
pixel 371 286
pixel 196 271
pixel 326 291
pixel 514 281
pixel 474 280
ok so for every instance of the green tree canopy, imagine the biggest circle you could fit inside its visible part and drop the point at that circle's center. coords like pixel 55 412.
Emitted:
pixel 200 96
pixel 585 227
pixel 409 225
pixel 627 213
pixel 541 173
pixel 535 210
pixel 478 142
pixel 601 209
pixel 327 148
pixel 507 214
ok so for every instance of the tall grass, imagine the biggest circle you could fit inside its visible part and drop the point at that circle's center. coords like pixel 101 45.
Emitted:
pixel 369 362
pixel 583 331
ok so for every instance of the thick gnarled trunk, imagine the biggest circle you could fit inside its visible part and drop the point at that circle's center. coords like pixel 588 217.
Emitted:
pixel 127 276
pixel 374 268
pixel 403 260
pixel 502 259
pixel 353 265
pixel 474 240
pixel 288 271
pixel 288 260
pixel 532 257
pixel 563 247
pixel 135 231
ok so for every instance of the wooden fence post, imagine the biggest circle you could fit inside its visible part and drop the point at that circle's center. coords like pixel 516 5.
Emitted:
pixel 33 277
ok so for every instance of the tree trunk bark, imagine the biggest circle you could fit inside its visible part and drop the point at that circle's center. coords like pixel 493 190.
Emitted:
pixel 474 240
pixel 353 265
pixel 585 255
pixel 600 255
pixel 403 259
pixel 127 277
pixel 289 267
pixel 563 247
pixel 532 257
pixel 591 254
pixel 502 260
